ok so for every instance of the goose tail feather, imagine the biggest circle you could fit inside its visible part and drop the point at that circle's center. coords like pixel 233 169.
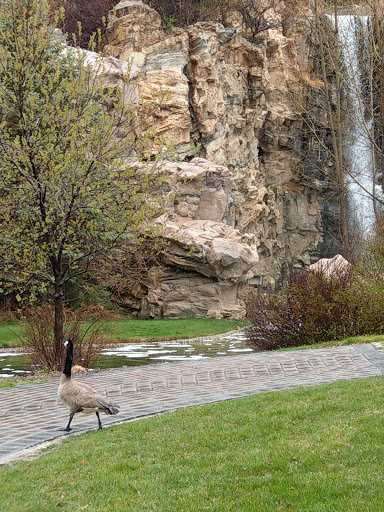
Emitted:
pixel 107 407
pixel 113 409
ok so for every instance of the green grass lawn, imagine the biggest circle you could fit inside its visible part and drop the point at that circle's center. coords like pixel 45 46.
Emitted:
pixel 318 449
pixel 134 330
pixel 7 384
pixel 168 329
pixel 10 334
pixel 140 330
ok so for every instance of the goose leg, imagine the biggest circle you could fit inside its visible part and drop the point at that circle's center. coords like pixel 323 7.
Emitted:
pixel 98 419
pixel 68 428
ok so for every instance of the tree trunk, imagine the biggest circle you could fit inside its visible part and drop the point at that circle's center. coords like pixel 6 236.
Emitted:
pixel 59 322
pixel 335 121
pixel 340 143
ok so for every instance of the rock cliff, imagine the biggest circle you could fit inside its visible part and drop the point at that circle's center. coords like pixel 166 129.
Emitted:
pixel 243 208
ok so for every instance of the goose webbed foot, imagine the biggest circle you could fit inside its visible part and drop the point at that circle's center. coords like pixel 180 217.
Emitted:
pixel 68 427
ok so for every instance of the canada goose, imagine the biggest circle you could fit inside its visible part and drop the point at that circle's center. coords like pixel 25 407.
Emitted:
pixel 79 397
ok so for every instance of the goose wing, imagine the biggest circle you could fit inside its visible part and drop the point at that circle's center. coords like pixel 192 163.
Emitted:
pixel 92 401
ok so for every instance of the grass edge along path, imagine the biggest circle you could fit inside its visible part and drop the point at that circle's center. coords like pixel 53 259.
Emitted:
pixel 317 449
pixel 352 340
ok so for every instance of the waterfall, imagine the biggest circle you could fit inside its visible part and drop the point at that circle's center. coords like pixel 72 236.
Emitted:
pixel 359 150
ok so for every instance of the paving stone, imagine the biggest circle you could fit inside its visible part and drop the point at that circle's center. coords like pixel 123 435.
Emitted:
pixel 33 414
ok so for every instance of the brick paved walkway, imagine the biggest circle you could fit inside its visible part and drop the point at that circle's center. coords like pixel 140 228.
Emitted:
pixel 30 414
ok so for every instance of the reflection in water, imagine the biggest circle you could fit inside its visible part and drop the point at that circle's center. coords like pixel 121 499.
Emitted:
pixel 139 354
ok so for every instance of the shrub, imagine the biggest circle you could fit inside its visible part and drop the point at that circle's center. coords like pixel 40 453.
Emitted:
pixel 314 307
pixel 370 264
pixel 84 326
pixel 257 15
pixel 90 13
pixel 187 12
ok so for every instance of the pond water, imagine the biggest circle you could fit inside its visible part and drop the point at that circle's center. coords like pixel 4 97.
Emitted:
pixel 14 363
pixel 230 344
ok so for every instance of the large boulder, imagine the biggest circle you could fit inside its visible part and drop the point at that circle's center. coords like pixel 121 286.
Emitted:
pixel 336 266
pixel 210 248
pixel 208 260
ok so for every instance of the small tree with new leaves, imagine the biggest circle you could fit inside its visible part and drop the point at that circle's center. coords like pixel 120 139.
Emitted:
pixel 67 192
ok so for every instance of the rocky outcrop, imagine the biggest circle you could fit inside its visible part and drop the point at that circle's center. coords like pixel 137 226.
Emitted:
pixel 208 261
pixel 133 26
pixel 243 210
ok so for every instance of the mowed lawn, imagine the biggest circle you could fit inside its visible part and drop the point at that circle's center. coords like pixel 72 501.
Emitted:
pixel 127 330
pixel 168 328
pixel 10 334
pixel 318 449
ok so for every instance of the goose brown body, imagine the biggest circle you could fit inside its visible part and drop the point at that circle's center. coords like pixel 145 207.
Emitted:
pixel 80 397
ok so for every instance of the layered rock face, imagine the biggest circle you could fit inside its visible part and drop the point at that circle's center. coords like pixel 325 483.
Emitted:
pixel 207 260
pixel 242 210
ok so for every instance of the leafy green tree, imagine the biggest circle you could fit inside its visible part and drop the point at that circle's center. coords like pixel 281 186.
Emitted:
pixel 68 194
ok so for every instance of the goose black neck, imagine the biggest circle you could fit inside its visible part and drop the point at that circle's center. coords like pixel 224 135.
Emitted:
pixel 68 360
